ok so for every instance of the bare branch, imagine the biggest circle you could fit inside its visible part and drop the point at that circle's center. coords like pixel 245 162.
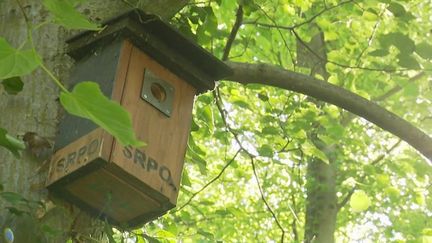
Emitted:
pixel 326 9
pixel 398 88
pixel 233 34
pixel 211 181
pixel 265 200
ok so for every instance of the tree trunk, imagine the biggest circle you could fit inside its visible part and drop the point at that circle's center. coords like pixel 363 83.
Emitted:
pixel 321 210
pixel 36 109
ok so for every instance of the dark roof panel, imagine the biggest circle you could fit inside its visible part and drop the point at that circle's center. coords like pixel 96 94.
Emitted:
pixel 159 40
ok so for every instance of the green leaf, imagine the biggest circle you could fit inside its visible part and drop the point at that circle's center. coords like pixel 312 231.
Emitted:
pixel 270 131
pixel 379 53
pixel 185 179
pixel 15 211
pixel 15 62
pixel 194 126
pixel 411 90
pixel 13 85
pixel 424 50
pixel 165 234
pixel 397 9
pixel 50 230
pixel 408 61
pixel 202 164
pixel 12 197
pixel 206 234
pixel 210 24
pixel 87 101
pixel 109 232
pixel 359 201
pixel 401 41
pixel 242 103
pixel 66 15
pixel 311 149
pixel 263 96
pixel 206 115
pixel 12 144
pixel 150 239
pixel 266 151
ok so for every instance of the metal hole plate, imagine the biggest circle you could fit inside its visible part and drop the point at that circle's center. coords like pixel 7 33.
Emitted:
pixel 165 90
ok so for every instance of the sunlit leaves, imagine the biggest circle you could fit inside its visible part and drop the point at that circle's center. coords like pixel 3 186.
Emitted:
pixel 14 62
pixel 66 15
pixel 87 101
pixel 359 201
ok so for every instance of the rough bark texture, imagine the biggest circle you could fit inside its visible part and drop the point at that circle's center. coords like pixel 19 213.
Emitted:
pixel 321 207
pixel 275 76
pixel 36 109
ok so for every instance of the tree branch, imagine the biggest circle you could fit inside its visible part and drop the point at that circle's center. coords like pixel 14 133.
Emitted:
pixel 233 34
pixel 266 74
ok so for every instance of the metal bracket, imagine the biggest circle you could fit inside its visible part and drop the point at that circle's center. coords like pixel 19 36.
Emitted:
pixel 158 92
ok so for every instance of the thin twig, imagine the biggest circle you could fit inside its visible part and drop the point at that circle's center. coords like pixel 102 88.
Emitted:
pixel 302 23
pixel 369 42
pixel 326 9
pixel 282 37
pixel 210 182
pixel 341 64
pixel 398 88
pixel 265 200
pixel 374 162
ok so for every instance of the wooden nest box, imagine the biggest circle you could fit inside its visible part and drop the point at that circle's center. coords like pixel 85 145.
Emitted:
pixel 154 72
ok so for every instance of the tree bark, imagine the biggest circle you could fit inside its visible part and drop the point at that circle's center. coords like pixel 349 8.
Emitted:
pixel 266 74
pixel 36 109
pixel 321 210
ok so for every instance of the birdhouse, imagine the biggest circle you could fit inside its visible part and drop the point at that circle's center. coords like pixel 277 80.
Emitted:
pixel 154 72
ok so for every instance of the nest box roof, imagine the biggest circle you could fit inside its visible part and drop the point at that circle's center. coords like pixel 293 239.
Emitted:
pixel 159 40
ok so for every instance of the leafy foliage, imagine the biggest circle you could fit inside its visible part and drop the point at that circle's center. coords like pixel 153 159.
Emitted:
pixel 251 149
pixel 87 101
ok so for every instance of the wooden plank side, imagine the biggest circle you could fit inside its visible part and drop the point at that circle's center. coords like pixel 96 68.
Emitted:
pixel 118 87
pixel 122 70
pixel 160 163
pixel 78 154
pixel 111 196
